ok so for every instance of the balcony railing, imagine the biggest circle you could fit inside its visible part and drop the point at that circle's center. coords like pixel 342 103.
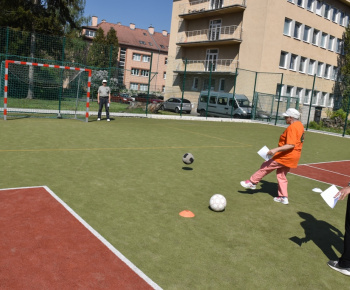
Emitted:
pixel 205 5
pixel 213 34
pixel 219 65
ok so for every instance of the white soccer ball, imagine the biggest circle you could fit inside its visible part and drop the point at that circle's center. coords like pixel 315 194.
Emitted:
pixel 188 158
pixel 217 202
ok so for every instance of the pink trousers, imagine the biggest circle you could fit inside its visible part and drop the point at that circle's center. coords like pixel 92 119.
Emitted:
pixel 281 172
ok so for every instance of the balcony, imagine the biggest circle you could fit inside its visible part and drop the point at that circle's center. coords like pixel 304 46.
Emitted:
pixel 200 8
pixel 219 66
pixel 218 36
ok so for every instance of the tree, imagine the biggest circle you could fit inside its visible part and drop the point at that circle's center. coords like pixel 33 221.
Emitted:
pixel 104 49
pixel 343 85
pixel 42 16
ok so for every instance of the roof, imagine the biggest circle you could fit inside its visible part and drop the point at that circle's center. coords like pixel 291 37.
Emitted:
pixel 138 37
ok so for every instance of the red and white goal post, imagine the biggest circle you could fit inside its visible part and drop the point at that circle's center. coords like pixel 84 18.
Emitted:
pixel 39 89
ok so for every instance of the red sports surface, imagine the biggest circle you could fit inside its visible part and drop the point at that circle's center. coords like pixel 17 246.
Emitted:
pixel 337 172
pixel 45 245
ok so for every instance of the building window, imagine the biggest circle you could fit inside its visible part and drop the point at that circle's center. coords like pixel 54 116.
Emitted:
pixel 143 87
pixel 300 3
pixel 222 85
pixel 307 96
pixel 163 89
pixel 331 43
pixel 320 69
pixel 335 15
pixel 334 73
pixel 338 45
pixel 299 93
pixel 310 5
pixel 136 57
pixel 315 35
pixel 327 11
pixel 287 27
pixel 142 42
pixel 195 83
pixel 135 71
pixel 306 33
pixel 302 64
pixel 166 61
pixel 90 33
pixel 164 75
pixel 293 62
pixel 297 30
pixel 323 40
pixel 144 73
pixel 330 100
pixel 311 67
pixel 206 84
pixel 162 46
pixel 319 7
pixel 341 18
pixel 327 72
pixel 322 101
pixel 146 58
pixel 283 59
pixel 289 90
pixel 134 86
pixel 315 97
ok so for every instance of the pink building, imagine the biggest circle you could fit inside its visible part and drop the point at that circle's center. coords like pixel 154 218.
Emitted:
pixel 134 58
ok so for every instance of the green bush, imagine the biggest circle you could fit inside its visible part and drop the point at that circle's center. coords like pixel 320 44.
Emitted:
pixel 339 113
pixel 314 125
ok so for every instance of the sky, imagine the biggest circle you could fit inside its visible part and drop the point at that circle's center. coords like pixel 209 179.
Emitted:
pixel 143 13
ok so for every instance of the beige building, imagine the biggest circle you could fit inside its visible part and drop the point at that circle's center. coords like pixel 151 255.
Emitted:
pixel 299 38
pixel 136 46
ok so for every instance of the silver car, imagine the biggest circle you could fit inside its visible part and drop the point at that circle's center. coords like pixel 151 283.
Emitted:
pixel 174 104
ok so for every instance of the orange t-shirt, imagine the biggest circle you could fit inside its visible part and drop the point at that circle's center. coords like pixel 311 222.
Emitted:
pixel 293 135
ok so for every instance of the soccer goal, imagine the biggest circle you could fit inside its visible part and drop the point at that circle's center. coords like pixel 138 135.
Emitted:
pixel 45 90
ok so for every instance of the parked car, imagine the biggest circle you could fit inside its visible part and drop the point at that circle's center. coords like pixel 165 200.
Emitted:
pixel 122 98
pixel 174 104
pixel 150 98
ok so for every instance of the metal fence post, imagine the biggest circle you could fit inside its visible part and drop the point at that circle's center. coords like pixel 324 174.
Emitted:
pixel 209 88
pixel 279 99
pixel 312 94
pixel 347 115
pixel 234 92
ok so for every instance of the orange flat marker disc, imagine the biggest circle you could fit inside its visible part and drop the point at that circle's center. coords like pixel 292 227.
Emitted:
pixel 186 213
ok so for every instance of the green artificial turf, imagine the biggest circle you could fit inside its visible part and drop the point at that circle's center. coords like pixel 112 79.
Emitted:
pixel 127 180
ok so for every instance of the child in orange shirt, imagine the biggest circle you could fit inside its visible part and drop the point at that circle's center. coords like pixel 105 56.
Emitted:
pixel 284 157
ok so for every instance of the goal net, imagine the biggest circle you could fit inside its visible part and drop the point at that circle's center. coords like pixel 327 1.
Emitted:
pixel 44 90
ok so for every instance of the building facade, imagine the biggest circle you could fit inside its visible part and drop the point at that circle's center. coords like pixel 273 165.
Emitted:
pixel 142 56
pixel 218 39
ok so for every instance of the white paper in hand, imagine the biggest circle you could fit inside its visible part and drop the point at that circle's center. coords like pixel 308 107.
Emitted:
pixel 263 153
pixel 329 194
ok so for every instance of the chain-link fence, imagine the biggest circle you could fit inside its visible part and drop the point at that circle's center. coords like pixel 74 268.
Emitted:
pixel 73 52
pixel 269 94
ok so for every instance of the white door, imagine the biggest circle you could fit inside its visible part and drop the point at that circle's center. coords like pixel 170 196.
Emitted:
pixel 211 60
pixel 214 29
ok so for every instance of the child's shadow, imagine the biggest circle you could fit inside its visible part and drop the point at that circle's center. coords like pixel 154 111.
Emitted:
pixel 264 186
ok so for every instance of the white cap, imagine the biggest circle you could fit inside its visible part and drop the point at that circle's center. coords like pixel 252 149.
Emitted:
pixel 104 81
pixel 292 113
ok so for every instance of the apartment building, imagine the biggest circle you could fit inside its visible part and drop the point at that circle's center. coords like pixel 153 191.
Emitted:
pixel 299 38
pixel 134 58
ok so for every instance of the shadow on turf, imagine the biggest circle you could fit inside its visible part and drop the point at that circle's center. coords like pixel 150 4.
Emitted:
pixel 264 186
pixel 187 168
pixel 324 235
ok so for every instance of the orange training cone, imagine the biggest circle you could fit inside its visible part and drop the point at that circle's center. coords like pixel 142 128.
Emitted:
pixel 187 214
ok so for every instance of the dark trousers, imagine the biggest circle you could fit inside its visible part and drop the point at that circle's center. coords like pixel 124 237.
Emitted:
pixel 344 261
pixel 103 101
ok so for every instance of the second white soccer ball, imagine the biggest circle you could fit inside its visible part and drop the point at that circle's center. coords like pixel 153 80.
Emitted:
pixel 217 202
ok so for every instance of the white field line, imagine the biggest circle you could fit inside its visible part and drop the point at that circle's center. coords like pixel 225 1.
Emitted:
pixel 314 179
pixel 97 235
pixel 328 170
pixel 326 162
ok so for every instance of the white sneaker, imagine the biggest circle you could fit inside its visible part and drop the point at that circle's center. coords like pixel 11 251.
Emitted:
pixel 98 119
pixel 280 199
pixel 108 120
pixel 248 184
pixel 335 266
